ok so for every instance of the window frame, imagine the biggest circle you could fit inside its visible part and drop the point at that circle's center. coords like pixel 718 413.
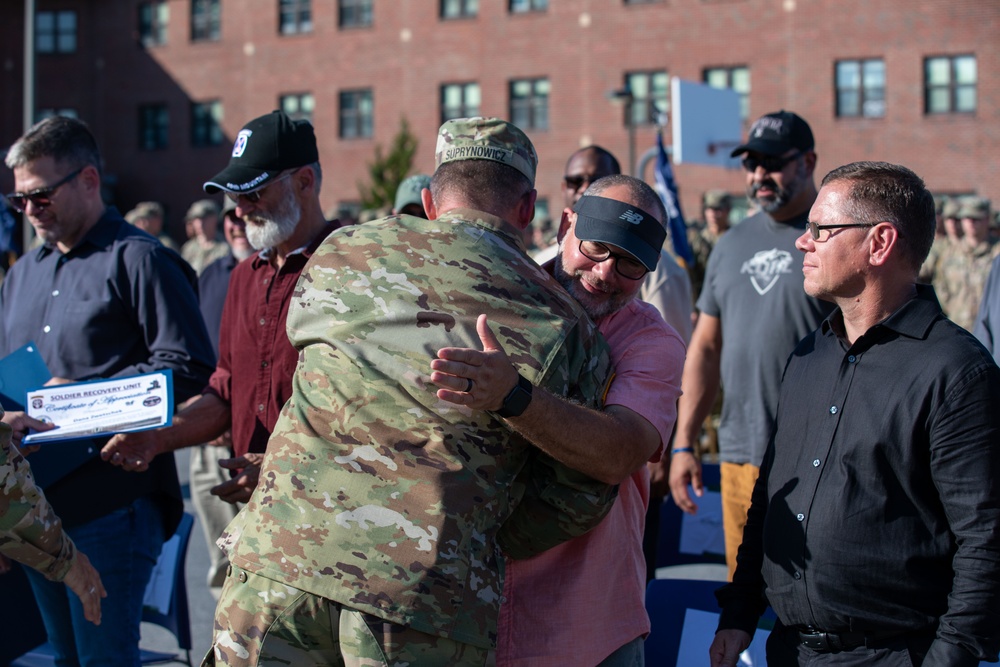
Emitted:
pixel 64 41
pixel 299 16
pixel 206 20
pixel 867 95
pixel 465 109
pixel 206 119
pixel 361 125
pixel 730 72
pixel 153 29
pixel 300 100
pixel 154 133
pixel 953 87
pixel 535 105
pixel 353 14
pixel 646 119
pixel 467 9
pixel 531 6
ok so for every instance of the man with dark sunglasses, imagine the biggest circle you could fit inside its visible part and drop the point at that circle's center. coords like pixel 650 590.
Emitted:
pixel 753 312
pixel 99 299
pixel 558 610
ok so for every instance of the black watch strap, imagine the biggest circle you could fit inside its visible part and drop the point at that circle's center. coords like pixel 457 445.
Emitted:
pixel 517 400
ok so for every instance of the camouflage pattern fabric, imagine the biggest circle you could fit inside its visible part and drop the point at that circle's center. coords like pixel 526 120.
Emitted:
pixel 959 280
pixel 929 268
pixel 375 494
pixel 30 532
pixel 263 622
pixel 701 241
pixel 479 138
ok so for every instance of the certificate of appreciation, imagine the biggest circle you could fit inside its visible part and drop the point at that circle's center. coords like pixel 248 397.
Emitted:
pixel 102 407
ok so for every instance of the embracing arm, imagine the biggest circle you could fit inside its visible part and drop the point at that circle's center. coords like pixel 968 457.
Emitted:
pixel 607 445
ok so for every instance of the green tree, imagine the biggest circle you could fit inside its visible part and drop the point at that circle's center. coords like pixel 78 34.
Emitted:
pixel 388 171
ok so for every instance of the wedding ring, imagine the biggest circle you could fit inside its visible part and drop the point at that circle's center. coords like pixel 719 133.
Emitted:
pixel 468 389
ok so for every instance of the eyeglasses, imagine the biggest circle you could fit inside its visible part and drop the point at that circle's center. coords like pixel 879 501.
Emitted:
pixel 815 229
pixel 574 182
pixel 42 197
pixel 770 163
pixel 625 265
pixel 254 196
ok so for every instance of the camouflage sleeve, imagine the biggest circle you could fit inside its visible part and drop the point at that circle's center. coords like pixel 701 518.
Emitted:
pixel 557 504
pixel 30 532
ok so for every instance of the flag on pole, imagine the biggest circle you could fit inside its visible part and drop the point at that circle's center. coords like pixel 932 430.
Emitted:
pixel 667 189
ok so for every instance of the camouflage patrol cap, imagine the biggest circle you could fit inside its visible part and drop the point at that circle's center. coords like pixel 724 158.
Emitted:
pixel 409 190
pixel 950 207
pixel 201 209
pixel 486 139
pixel 976 208
pixel 716 199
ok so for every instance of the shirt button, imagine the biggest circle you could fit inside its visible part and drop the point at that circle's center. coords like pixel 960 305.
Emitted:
pixel 263 321
pixel 260 408
pixel 833 409
pixel 243 577
pixel 263 364
pixel 55 292
pixel 800 517
pixel 815 463
pixel 797 575
pixel 852 359
pixel 46 328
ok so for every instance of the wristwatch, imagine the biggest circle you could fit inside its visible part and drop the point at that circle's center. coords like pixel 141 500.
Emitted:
pixel 517 400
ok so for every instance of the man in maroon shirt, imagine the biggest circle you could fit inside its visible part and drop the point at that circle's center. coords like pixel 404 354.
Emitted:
pixel 274 177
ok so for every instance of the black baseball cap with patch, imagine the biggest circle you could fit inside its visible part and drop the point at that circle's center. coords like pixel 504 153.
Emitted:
pixel 619 224
pixel 776 134
pixel 264 148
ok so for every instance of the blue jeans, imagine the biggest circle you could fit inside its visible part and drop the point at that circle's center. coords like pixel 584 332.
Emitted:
pixel 123 546
pixel 631 654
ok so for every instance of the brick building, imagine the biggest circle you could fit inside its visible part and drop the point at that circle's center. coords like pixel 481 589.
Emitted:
pixel 165 84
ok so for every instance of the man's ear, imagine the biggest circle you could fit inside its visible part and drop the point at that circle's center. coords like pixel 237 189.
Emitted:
pixel 526 209
pixel 564 223
pixel 429 208
pixel 883 243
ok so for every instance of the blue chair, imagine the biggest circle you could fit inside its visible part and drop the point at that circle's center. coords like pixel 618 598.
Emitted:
pixel 176 620
pixel 673 521
pixel 667 603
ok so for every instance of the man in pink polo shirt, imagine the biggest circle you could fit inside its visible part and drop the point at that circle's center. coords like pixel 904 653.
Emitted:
pixel 582 603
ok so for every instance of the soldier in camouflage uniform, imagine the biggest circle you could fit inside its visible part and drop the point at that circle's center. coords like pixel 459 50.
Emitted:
pixel 941 239
pixel 32 534
pixel 374 535
pixel 702 236
pixel 964 266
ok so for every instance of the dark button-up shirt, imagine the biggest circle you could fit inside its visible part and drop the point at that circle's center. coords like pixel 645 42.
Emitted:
pixel 256 361
pixel 117 304
pixel 213 285
pixel 878 505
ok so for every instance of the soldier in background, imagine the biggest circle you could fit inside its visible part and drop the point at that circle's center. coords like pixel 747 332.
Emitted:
pixel 204 246
pixel 964 266
pixel 929 266
pixel 148 216
pixel 703 235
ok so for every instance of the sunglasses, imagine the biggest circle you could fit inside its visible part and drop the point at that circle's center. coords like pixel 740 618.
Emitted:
pixel 254 196
pixel 770 163
pixel 815 229
pixel 625 265
pixel 576 182
pixel 42 197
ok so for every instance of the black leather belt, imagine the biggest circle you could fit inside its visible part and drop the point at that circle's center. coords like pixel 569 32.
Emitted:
pixel 832 642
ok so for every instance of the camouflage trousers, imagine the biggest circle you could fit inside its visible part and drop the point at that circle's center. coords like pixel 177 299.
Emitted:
pixel 263 622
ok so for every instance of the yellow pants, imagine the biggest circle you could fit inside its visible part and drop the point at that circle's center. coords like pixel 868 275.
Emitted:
pixel 737 487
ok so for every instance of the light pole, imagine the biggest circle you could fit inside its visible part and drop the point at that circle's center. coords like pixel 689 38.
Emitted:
pixel 625 97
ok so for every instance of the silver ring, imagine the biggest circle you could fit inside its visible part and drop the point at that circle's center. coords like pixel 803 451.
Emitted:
pixel 93 589
pixel 469 388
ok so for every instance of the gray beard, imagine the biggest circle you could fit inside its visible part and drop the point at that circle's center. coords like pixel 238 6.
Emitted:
pixel 263 232
pixel 594 308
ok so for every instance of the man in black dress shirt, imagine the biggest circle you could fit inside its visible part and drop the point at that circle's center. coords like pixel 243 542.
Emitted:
pixel 874 530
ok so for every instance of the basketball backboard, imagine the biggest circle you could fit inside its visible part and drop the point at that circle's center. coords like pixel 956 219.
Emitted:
pixel 706 123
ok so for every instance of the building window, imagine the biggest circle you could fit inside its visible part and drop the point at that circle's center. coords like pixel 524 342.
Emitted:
pixel 641 2
pixel 298 106
pixel 459 9
pixel 529 103
pixel 206 20
pixel 68 112
pixel 154 127
pixel 55 32
pixel 649 97
pixel 295 16
pixel 355 13
pixel 153 19
pixel 860 88
pixel 206 123
pixel 525 6
pixel 735 78
pixel 459 100
pixel 356 114
pixel 950 84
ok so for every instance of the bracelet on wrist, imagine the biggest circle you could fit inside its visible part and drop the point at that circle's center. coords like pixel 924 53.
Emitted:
pixel 679 450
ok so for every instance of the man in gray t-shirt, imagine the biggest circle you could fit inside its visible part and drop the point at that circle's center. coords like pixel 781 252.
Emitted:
pixel 753 312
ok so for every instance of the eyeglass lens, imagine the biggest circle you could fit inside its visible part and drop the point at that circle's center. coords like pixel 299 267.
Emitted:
pixel 769 163
pixel 41 197
pixel 626 266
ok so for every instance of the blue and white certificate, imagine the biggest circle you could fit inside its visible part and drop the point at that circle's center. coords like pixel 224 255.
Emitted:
pixel 102 407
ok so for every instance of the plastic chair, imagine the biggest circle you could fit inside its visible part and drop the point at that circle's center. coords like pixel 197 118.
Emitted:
pixel 668 602
pixel 673 522
pixel 176 620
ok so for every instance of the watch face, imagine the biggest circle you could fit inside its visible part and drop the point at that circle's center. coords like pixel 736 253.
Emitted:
pixel 517 400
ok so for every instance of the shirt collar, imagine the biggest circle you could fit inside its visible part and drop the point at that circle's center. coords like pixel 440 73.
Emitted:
pixel 486 221
pixel 101 235
pixel 913 319
pixel 264 256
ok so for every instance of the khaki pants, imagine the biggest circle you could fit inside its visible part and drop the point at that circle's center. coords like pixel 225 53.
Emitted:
pixel 263 622
pixel 737 487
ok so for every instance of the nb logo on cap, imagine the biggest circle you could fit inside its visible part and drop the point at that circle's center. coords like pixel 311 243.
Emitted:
pixel 631 217
pixel 240 144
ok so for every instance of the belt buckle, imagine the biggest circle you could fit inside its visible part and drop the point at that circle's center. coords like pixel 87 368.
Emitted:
pixel 817 641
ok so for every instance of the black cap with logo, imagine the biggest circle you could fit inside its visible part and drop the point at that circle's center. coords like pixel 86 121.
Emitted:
pixel 776 134
pixel 264 148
